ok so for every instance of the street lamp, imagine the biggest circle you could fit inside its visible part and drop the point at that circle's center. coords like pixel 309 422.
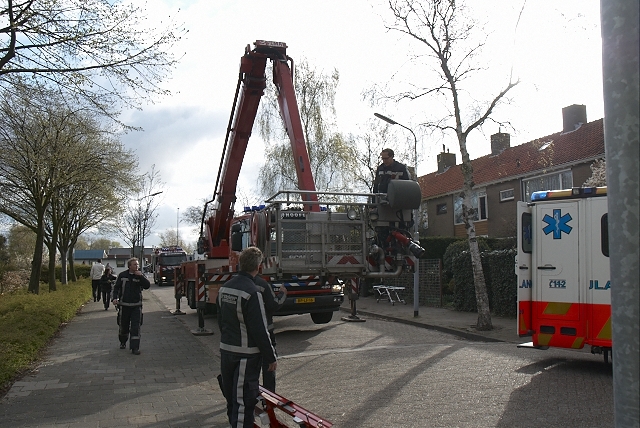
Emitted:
pixel 140 234
pixel 416 237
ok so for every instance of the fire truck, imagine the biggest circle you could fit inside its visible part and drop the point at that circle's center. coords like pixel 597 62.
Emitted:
pixel 562 264
pixel 313 242
pixel 164 261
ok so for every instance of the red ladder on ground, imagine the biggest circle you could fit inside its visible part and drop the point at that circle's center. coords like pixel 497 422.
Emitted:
pixel 265 412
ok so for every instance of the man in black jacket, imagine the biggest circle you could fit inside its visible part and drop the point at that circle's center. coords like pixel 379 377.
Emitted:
pixel 244 340
pixel 387 171
pixel 127 293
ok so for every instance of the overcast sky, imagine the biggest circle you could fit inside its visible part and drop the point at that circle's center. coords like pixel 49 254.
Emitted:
pixel 555 51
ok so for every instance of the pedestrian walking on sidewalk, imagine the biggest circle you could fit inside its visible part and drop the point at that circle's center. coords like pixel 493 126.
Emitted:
pixel 127 294
pixel 244 340
pixel 96 273
pixel 106 286
pixel 272 302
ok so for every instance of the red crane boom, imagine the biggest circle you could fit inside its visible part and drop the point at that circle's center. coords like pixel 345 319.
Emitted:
pixel 250 89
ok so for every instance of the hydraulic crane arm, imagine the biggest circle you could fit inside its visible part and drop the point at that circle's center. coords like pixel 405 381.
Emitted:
pixel 251 85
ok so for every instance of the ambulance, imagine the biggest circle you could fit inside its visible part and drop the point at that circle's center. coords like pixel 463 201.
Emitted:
pixel 562 265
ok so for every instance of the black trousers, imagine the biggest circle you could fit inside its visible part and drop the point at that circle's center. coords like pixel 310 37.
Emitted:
pixel 130 325
pixel 269 378
pixel 240 377
pixel 106 297
pixel 95 289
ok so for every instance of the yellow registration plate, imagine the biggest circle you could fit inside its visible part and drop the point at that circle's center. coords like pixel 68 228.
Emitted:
pixel 306 300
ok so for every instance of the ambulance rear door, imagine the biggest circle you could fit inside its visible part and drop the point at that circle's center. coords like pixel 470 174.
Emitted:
pixel 555 261
pixel 523 268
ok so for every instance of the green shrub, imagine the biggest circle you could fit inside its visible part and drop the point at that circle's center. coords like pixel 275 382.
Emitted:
pixel 28 321
pixel 435 246
pixel 499 277
pixel 504 283
pixel 456 248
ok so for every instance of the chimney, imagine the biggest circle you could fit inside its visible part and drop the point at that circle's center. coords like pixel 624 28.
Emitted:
pixel 573 116
pixel 445 160
pixel 500 142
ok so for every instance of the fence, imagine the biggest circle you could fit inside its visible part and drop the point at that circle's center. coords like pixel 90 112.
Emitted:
pixel 430 286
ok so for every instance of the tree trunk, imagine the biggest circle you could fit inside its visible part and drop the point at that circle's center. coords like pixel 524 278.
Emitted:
pixel 36 263
pixel 63 266
pixel 72 270
pixel 468 214
pixel 52 266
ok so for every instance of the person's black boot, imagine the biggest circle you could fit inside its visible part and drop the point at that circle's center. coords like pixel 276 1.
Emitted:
pixel 123 345
pixel 135 351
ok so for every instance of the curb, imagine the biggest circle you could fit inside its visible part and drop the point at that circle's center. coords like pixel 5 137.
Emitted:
pixel 463 334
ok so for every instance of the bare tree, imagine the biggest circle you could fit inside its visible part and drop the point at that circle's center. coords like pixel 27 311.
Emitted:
pixel 370 143
pixel 95 51
pixel 447 36
pixel 140 213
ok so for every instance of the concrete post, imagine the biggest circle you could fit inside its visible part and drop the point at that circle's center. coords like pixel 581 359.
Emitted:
pixel 620 48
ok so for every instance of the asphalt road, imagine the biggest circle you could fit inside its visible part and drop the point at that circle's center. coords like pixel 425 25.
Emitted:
pixel 386 374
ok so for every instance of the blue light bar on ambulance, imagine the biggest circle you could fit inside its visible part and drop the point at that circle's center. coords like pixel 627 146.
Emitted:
pixel 576 192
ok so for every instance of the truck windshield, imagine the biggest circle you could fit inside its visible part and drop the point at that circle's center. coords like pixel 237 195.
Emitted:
pixel 172 259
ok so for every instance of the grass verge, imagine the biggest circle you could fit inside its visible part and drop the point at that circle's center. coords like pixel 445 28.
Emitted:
pixel 29 321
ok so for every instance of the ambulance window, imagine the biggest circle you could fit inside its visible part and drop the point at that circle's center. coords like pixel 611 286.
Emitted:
pixel 604 234
pixel 526 233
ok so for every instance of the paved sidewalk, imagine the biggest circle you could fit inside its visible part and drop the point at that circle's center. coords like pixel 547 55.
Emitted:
pixel 461 324
pixel 85 380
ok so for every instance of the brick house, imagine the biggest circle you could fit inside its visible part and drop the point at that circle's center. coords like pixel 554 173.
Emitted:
pixel 509 174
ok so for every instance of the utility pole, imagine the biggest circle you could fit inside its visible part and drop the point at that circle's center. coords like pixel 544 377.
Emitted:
pixel 416 233
pixel 620 46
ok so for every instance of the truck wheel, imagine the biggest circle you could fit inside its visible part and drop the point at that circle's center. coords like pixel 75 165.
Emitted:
pixel 322 317
pixel 191 295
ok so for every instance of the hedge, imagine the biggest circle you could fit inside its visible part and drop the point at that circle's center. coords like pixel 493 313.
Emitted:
pixel 499 277
pixel 82 271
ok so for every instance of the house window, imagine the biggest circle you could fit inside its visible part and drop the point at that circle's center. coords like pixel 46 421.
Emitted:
pixel 120 262
pixel 441 209
pixel 506 195
pixel 478 201
pixel 557 181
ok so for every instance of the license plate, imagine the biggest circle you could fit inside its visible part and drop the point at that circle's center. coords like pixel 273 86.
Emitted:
pixel 306 300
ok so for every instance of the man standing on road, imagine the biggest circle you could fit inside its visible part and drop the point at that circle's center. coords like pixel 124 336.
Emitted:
pixel 244 340
pixel 97 270
pixel 127 293
pixel 272 303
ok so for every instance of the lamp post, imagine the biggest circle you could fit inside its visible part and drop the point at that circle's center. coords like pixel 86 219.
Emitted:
pixel 416 237
pixel 140 233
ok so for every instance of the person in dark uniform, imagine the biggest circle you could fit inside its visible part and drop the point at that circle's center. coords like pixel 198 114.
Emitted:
pixel 106 286
pixel 388 170
pixel 127 293
pixel 244 340
pixel 272 303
